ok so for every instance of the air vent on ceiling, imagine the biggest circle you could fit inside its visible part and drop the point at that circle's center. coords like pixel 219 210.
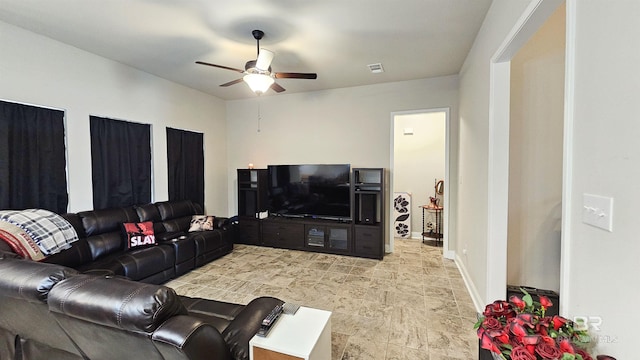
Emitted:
pixel 376 68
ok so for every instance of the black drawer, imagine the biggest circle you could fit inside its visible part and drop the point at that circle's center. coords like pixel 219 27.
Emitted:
pixel 288 235
pixel 249 232
pixel 368 241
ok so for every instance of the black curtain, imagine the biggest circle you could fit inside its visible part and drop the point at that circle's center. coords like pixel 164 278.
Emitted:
pixel 32 158
pixel 185 160
pixel 120 163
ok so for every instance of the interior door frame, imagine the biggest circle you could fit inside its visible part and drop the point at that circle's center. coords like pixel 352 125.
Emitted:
pixel 531 20
pixel 447 253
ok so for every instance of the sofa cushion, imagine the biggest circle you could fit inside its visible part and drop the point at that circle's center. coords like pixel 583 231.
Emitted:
pixel 115 302
pixel 104 265
pixel 24 289
pixel 32 349
pixel 211 245
pixel 78 255
pixel 176 215
pixel 29 280
pixel 175 209
pixel 149 212
pixel 216 313
pixel 7 344
pixel 105 244
pixel 186 337
pixel 113 318
pixel 177 225
pixel 106 220
pixel 143 262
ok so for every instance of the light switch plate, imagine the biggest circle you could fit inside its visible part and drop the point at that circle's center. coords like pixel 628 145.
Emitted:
pixel 597 211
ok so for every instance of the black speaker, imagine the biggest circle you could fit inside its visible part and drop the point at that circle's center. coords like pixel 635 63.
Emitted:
pixel 367 209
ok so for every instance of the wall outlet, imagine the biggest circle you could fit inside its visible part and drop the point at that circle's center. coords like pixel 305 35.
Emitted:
pixel 597 211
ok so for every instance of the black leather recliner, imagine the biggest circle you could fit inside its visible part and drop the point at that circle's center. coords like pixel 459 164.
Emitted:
pixel 53 312
pixel 102 246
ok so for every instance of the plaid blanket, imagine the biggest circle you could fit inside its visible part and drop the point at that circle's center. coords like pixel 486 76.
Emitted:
pixel 48 230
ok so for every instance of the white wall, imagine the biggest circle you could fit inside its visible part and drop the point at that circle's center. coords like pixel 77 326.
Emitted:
pixel 605 156
pixel 37 70
pixel 602 157
pixel 419 159
pixel 535 158
pixel 349 125
pixel 471 207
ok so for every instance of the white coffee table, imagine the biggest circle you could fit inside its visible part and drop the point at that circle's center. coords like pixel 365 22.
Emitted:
pixel 303 336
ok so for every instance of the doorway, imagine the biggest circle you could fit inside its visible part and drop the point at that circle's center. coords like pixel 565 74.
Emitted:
pixel 532 19
pixel 419 160
pixel 535 158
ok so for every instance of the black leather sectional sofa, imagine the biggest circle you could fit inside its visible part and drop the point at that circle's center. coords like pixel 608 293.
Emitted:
pixel 102 246
pixel 50 311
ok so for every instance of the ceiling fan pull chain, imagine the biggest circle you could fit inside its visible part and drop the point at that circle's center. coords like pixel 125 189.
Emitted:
pixel 259 115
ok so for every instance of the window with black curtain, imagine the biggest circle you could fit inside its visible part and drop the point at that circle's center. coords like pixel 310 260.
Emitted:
pixel 185 160
pixel 120 162
pixel 32 158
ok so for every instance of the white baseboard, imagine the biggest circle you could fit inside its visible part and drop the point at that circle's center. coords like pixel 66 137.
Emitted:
pixel 478 302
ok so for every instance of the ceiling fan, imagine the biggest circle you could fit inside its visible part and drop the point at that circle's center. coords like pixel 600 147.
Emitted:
pixel 258 74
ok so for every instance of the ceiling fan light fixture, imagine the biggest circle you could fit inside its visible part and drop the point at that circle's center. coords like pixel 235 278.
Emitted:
pixel 258 74
pixel 264 59
pixel 259 83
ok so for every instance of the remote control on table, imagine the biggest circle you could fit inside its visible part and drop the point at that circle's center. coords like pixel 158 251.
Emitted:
pixel 269 321
pixel 273 315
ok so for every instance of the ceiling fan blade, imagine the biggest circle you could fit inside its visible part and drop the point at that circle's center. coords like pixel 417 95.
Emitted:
pixel 277 88
pixel 289 75
pixel 264 59
pixel 220 66
pixel 232 82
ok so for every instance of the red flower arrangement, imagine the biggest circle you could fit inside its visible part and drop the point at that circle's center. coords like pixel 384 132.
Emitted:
pixel 519 330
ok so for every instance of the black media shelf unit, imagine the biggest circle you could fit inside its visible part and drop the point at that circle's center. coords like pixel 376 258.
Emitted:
pixel 252 200
pixel 363 236
pixel 367 191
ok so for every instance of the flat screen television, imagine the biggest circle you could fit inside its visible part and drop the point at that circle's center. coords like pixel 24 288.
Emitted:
pixel 317 191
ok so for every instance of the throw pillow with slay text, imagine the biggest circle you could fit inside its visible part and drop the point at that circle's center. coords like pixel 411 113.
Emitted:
pixel 139 234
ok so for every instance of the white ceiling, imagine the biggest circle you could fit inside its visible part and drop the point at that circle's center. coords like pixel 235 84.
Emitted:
pixel 336 39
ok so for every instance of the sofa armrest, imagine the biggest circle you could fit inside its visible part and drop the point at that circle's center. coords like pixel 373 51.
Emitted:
pixel 191 337
pixel 246 324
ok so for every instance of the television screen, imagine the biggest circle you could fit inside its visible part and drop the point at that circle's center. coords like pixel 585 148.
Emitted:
pixel 320 191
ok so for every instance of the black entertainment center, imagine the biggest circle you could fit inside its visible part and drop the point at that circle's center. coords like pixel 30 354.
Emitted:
pixel 327 208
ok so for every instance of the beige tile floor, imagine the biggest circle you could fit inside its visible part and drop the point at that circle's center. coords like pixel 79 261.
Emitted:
pixel 411 305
